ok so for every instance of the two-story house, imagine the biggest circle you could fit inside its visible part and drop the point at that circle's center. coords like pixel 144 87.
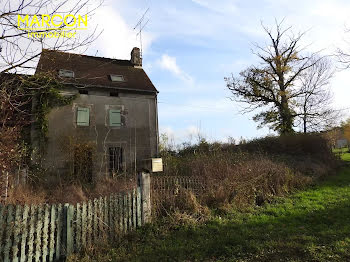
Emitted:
pixel 112 125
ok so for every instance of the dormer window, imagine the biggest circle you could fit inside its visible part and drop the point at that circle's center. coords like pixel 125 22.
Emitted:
pixel 66 73
pixel 117 78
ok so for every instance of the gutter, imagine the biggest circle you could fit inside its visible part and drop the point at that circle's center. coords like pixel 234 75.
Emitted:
pixel 109 87
pixel 157 128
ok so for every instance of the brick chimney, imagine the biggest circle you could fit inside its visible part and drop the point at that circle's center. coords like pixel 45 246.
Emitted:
pixel 136 59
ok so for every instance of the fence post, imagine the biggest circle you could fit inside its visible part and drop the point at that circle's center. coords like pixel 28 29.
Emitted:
pixel 144 182
pixel 68 231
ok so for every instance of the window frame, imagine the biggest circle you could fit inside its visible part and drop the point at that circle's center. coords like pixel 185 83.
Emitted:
pixel 116 158
pixel 123 113
pixel 111 76
pixel 77 116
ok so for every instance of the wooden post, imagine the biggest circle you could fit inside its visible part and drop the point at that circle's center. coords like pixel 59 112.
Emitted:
pixel 95 221
pixel 25 229
pixel 52 232
pixel 45 234
pixel 90 227
pixel 138 207
pixel 125 213
pixel 9 230
pixel 78 227
pixel 134 219
pixel 16 233
pixel 38 234
pixel 144 182
pixel 68 237
pixel 33 215
pixel 84 226
pixel 59 241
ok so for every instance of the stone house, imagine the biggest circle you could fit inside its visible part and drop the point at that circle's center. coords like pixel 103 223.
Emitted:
pixel 112 124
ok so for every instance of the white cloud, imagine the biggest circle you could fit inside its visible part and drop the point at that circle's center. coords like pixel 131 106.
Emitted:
pixel 118 38
pixel 169 63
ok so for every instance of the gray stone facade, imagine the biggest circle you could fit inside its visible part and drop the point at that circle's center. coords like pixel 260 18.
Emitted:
pixel 138 137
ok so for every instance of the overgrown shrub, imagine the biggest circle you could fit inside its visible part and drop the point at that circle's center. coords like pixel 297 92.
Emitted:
pixel 251 173
pixel 66 192
pixel 316 145
pixel 182 208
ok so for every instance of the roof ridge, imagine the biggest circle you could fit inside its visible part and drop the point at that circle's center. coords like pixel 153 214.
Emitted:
pixel 88 56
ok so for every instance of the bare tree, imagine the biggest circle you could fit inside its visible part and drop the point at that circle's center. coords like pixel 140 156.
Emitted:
pixel 343 54
pixel 271 85
pixel 20 50
pixel 314 104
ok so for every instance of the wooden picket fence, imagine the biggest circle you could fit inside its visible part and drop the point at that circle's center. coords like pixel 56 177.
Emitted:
pixel 50 232
pixel 173 184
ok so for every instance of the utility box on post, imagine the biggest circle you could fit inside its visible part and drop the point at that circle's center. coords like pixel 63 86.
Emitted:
pixel 153 165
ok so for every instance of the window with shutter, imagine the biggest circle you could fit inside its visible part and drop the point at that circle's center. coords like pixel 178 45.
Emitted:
pixel 115 117
pixel 83 116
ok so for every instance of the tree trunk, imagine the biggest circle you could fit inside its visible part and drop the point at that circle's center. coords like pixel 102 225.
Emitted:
pixel 304 124
pixel 286 117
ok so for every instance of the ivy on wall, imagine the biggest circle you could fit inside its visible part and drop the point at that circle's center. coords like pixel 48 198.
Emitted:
pixel 45 92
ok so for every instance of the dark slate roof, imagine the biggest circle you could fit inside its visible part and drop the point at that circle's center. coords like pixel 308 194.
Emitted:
pixel 94 71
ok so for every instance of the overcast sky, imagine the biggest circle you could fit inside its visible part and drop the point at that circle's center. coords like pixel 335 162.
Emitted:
pixel 191 45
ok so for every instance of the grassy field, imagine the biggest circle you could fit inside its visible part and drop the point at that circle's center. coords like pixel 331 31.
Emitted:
pixel 344 153
pixel 345 156
pixel 311 225
pixel 341 150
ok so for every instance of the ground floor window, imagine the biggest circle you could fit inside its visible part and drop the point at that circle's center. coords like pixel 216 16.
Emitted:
pixel 115 160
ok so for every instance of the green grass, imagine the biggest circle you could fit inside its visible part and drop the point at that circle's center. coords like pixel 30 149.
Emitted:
pixel 341 150
pixel 344 153
pixel 345 156
pixel 311 225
